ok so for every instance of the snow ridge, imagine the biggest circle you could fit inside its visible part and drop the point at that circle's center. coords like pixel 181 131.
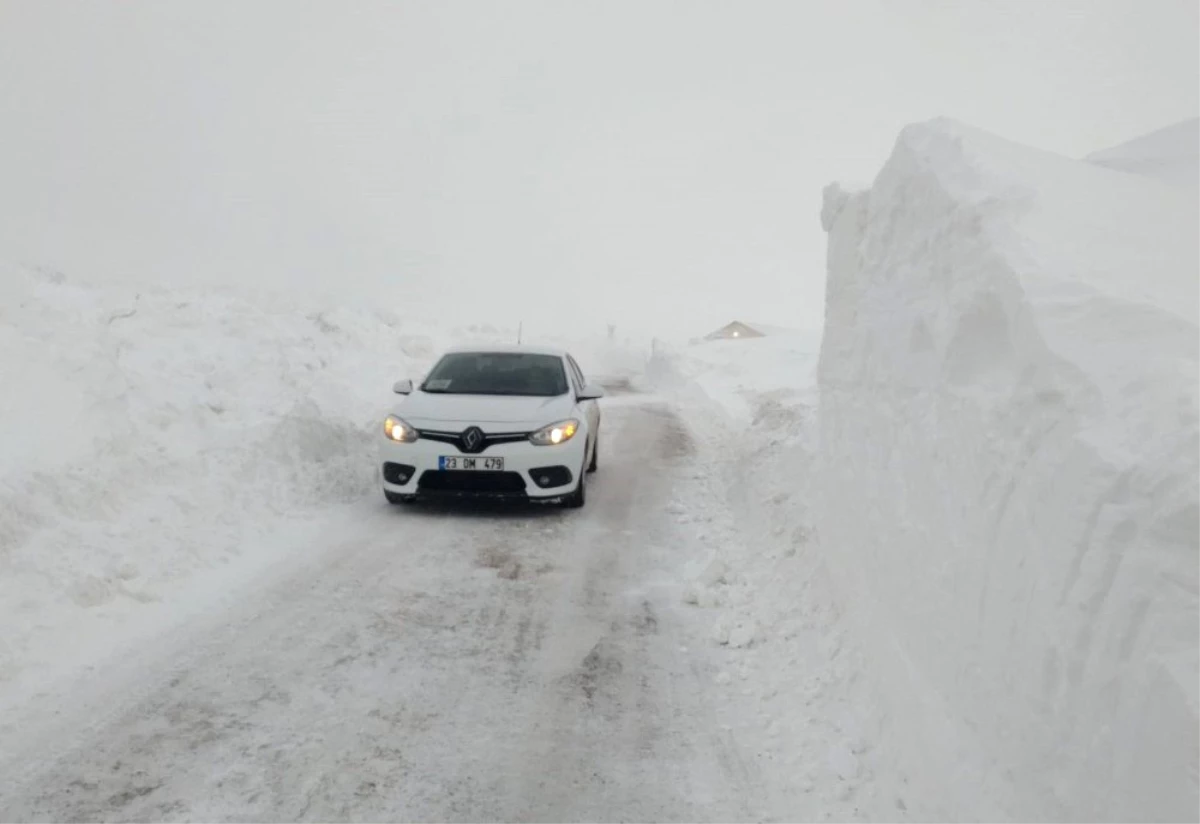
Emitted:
pixel 1008 462
pixel 1168 155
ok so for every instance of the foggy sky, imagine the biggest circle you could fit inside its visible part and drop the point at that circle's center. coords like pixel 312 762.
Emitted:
pixel 658 165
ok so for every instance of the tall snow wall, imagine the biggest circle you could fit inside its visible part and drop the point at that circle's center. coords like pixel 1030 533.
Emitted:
pixel 1008 464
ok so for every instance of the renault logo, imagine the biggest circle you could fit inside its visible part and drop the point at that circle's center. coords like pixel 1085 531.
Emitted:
pixel 472 439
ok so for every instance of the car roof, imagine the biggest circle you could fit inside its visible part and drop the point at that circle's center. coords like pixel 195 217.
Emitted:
pixel 511 349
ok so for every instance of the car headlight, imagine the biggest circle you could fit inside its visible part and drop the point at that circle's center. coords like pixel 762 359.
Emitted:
pixel 398 431
pixel 555 433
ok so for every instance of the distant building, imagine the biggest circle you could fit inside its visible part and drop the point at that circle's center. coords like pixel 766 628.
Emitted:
pixel 737 329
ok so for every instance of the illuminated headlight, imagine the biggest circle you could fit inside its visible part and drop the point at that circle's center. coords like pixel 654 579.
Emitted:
pixel 398 431
pixel 555 433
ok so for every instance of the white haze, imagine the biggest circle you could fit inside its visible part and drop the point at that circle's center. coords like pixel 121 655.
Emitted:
pixel 658 166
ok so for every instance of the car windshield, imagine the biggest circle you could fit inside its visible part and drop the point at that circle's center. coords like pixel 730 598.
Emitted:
pixel 498 373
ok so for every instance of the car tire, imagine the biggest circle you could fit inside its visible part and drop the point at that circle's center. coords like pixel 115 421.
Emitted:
pixel 578 498
pixel 595 464
pixel 397 498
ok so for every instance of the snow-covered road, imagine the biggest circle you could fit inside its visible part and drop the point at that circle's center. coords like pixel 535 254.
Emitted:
pixel 419 664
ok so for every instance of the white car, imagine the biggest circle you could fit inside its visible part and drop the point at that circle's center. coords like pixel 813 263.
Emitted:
pixel 508 423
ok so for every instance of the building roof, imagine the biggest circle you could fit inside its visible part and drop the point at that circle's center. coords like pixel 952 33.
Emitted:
pixel 737 324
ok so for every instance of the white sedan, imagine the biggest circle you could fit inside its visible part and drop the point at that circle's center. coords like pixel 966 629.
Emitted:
pixel 508 423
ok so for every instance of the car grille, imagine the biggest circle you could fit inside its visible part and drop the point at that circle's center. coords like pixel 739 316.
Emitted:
pixel 455 438
pixel 458 482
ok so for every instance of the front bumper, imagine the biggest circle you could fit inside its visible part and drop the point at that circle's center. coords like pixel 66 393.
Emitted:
pixel 531 473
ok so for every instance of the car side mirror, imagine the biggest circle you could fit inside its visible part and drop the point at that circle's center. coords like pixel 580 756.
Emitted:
pixel 590 392
pixel 404 387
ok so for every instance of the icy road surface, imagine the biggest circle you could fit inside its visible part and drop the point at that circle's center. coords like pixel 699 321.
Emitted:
pixel 419 664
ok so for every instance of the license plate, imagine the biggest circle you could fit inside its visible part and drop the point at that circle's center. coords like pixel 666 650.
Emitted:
pixel 479 464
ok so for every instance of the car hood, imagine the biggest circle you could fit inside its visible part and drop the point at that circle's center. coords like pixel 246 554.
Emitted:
pixel 428 409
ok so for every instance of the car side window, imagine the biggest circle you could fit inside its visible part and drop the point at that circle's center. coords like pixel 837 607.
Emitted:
pixel 579 379
pixel 571 376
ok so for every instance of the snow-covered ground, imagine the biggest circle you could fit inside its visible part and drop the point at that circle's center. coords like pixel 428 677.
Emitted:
pixel 417 664
pixel 194 487
pixel 677 607
pixel 195 556
pixel 1008 468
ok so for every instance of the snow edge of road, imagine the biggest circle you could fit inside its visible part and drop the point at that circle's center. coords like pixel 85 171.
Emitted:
pixel 802 696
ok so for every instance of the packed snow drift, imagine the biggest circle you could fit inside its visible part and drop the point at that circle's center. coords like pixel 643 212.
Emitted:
pixel 1007 463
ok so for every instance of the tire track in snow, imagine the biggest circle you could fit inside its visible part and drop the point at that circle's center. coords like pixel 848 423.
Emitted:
pixel 436 664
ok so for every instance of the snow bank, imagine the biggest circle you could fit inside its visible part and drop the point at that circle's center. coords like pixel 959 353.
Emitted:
pixel 1008 469
pixel 793 676
pixel 154 436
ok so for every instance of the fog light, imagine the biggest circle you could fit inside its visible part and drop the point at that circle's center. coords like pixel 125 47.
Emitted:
pixel 550 476
pixel 397 473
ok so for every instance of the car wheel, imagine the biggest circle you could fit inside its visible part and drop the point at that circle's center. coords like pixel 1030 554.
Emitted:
pixel 594 465
pixel 397 498
pixel 578 498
